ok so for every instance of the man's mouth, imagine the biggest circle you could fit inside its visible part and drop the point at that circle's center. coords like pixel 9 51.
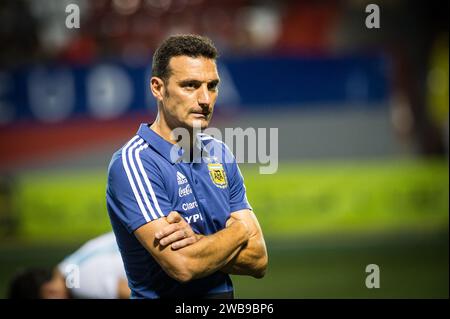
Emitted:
pixel 201 114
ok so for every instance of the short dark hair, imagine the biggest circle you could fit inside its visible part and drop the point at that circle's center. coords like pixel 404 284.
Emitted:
pixel 191 45
pixel 26 284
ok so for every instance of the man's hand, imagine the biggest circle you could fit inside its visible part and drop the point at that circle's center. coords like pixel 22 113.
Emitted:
pixel 178 234
pixel 207 255
pixel 252 259
pixel 243 217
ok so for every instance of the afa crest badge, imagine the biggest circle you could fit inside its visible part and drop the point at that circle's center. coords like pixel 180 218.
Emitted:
pixel 217 174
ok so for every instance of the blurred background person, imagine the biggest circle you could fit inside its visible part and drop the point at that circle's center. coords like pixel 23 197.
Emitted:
pixel 95 270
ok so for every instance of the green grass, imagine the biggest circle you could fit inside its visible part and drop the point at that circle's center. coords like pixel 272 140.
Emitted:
pixel 298 199
pixel 411 266
pixel 360 196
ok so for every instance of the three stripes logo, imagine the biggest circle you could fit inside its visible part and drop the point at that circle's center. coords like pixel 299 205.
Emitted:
pixel 181 179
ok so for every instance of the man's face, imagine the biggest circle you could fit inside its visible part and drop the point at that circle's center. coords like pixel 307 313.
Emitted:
pixel 190 92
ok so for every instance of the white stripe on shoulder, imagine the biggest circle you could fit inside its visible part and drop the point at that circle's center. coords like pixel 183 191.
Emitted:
pixel 146 179
pixel 130 178
pixel 144 175
pixel 138 178
pixel 204 137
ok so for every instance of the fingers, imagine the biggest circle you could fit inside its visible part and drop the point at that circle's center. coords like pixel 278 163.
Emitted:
pixel 240 214
pixel 166 231
pixel 173 217
pixel 248 218
pixel 230 221
pixel 178 233
pixel 184 242
pixel 176 236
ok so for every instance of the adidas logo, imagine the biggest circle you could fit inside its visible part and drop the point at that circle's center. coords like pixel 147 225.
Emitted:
pixel 181 179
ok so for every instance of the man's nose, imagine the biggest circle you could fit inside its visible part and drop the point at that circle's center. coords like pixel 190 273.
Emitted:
pixel 204 97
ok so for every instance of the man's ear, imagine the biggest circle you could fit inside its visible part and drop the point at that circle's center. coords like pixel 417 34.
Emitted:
pixel 157 87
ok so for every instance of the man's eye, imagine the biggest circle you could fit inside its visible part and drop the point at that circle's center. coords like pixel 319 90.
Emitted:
pixel 190 85
pixel 212 87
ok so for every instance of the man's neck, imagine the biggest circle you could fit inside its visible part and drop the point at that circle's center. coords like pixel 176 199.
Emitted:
pixel 161 128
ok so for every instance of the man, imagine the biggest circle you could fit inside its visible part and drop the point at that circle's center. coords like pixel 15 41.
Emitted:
pixel 95 270
pixel 182 221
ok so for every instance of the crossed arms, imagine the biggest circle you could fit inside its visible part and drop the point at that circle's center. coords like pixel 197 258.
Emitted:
pixel 237 249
